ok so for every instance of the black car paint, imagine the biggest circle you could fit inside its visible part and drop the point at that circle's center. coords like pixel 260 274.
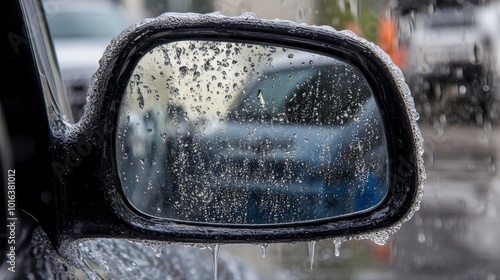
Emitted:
pixel 25 112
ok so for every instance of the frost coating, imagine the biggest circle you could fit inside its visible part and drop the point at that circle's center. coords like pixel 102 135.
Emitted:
pixel 170 21
pixel 382 236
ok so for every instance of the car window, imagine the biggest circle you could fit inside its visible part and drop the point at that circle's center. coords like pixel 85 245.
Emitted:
pixel 449 53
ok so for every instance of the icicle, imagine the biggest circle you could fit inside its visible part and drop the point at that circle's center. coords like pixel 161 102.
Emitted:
pixel 312 247
pixel 263 248
pixel 215 255
pixel 338 243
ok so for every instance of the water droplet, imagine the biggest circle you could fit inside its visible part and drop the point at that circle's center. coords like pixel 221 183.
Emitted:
pixel 462 90
pixel 260 96
pixel 290 55
pixel 183 70
pixel 421 238
pixel 312 247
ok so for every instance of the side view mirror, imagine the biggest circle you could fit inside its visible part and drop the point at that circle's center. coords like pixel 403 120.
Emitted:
pixel 214 129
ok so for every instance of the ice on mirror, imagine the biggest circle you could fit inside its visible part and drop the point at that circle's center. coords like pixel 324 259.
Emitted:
pixel 250 134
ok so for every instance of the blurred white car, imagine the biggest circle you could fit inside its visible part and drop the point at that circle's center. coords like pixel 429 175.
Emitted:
pixel 81 30
pixel 451 64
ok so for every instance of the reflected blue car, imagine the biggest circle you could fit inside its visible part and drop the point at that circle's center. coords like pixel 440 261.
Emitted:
pixel 295 140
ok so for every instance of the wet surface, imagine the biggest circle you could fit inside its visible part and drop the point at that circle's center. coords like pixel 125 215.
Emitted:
pixel 455 233
pixel 453 236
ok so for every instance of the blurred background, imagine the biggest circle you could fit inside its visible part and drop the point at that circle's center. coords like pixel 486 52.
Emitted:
pixel 449 53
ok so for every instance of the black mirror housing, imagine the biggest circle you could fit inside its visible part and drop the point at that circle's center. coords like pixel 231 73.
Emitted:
pixel 91 200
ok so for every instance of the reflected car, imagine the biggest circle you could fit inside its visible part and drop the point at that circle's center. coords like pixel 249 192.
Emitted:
pixel 285 140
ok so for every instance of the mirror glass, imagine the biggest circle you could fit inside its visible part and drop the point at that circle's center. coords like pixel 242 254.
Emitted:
pixel 246 133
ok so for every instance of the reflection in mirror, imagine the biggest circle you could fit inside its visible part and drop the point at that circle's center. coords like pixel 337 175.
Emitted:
pixel 244 133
